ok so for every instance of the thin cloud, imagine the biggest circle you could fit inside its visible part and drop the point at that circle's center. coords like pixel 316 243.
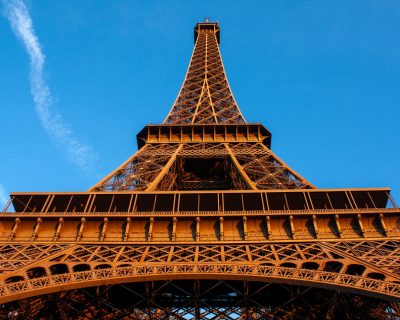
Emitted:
pixel 3 197
pixel 50 119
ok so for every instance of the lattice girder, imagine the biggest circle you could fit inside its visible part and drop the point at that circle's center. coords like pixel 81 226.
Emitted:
pixel 204 221
pixel 154 167
pixel 207 300
pixel 140 170
pixel 314 264
pixel 205 96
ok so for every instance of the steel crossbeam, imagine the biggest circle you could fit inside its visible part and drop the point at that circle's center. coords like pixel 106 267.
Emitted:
pixel 204 221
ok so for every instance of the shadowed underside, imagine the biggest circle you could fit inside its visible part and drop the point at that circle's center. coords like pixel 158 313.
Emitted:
pixel 204 221
pixel 205 299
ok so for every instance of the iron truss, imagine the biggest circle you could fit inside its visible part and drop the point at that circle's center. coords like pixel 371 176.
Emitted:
pixel 249 166
pixel 204 221
pixel 205 96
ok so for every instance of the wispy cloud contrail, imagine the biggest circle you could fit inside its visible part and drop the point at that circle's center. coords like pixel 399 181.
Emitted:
pixel 51 120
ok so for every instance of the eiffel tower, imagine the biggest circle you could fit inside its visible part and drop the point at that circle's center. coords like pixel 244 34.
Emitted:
pixel 204 221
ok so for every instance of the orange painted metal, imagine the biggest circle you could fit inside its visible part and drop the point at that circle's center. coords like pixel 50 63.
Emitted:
pixel 203 221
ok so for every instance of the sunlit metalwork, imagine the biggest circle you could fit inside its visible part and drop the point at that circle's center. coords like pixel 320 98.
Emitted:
pixel 204 221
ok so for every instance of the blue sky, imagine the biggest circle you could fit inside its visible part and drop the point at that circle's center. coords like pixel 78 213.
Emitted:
pixel 323 76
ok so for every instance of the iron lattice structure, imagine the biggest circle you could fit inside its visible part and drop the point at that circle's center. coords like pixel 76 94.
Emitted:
pixel 204 221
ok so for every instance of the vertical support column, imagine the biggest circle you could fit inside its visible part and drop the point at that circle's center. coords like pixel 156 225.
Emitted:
pixel 127 227
pixel 36 228
pixel 150 234
pixel 221 228
pixel 103 229
pixel 361 224
pixel 174 221
pixel 268 223
pixel 14 228
pixel 245 231
pixel 339 229
pixel 291 223
pixel 315 225
pixel 149 298
pixel 58 230
pixel 197 228
pixel 80 231
pixel 245 309
pixel 383 224
pixel 196 284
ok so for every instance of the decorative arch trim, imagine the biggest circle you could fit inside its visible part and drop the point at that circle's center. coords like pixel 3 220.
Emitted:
pixel 141 273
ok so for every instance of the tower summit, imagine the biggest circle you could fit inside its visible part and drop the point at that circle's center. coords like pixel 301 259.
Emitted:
pixel 205 96
pixel 204 221
pixel 204 142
